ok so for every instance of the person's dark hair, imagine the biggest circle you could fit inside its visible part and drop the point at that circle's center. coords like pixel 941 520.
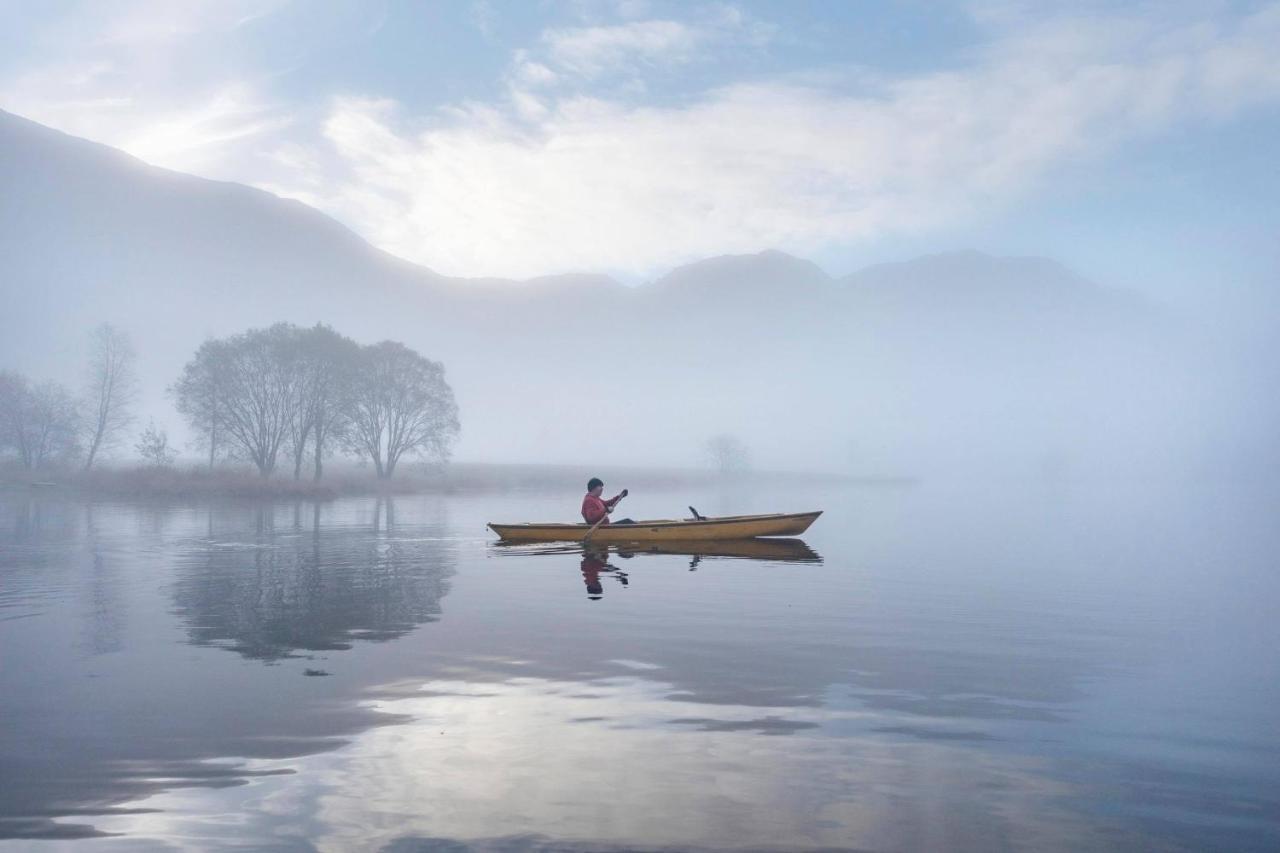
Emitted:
pixel 593 482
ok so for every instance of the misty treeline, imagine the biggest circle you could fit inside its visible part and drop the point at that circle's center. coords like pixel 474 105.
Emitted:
pixel 262 396
pixel 46 423
pixel 304 393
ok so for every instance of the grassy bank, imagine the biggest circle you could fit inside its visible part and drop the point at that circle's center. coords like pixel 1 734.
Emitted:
pixel 349 480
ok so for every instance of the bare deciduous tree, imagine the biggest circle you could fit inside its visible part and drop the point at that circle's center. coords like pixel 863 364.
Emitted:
pixel 290 389
pixel 251 381
pixel 325 363
pixel 334 360
pixel 196 395
pixel 401 404
pixel 110 390
pixel 38 422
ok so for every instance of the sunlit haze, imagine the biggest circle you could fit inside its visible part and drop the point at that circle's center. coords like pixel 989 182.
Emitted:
pixel 593 426
pixel 522 139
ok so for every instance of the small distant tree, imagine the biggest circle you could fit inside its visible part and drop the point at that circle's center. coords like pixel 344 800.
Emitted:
pixel 39 423
pixel 727 454
pixel 110 390
pixel 153 447
pixel 400 404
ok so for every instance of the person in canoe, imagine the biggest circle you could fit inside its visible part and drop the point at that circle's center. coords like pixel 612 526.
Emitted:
pixel 595 508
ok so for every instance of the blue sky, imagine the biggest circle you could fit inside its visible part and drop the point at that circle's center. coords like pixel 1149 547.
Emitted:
pixel 1132 141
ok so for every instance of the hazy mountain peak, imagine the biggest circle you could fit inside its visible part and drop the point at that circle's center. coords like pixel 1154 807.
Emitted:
pixel 88 234
pixel 969 266
pixel 973 281
pixel 83 192
pixel 770 272
pixel 573 283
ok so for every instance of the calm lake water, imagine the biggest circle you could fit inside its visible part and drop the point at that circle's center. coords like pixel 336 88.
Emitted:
pixel 936 667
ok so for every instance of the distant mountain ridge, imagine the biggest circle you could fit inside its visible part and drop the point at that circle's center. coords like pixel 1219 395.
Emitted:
pixel 766 274
pixel 56 182
pixel 90 234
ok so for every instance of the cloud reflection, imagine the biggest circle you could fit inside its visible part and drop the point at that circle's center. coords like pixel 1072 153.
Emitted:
pixel 535 763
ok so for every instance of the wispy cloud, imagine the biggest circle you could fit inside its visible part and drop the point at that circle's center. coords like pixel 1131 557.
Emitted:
pixel 202 132
pixel 484 17
pixel 567 169
pixel 590 51
pixel 126 73
pixel 591 183
pixel 189 139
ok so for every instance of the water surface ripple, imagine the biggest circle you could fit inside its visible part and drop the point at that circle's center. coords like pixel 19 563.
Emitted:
pixel 1050 666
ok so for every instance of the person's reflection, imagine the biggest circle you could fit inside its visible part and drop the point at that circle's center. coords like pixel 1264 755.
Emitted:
pixel 593 563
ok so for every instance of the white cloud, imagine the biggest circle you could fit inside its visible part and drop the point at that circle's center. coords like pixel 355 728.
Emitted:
pixel 125 73
pixel 593 50
pixel 151 25
pixel 527 72
pixel 198 137
pixel 588 183
pixel 557 174
pixel 588 52
pixel 201 133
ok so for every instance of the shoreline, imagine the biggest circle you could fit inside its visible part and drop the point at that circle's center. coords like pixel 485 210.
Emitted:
pixel 455 478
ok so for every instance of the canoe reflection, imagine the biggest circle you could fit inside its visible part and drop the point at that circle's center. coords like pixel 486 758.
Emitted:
pixel 770 550
pixel 597 569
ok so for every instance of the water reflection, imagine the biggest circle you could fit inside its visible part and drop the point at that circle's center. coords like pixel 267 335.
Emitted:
pixel 594 562
pixel 102 701
pixel 104 626
pixel 596 568
pixel 772 550
pixel 618 764
pixel 269 588
pixel 938 680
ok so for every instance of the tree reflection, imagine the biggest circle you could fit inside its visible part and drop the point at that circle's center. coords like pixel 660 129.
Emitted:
pixel 104 626
pixel 269 593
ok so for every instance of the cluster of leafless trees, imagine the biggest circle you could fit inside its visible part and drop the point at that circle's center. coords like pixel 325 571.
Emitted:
pixel 266 395
pixel 46 423
pixel 301 394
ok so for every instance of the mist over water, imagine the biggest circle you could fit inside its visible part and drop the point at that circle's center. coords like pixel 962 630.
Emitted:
pixel 1062 668
pixel 248 594
pixel 958 364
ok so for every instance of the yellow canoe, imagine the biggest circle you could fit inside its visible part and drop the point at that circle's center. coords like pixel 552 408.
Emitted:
pixel 773 549
pixel 663 530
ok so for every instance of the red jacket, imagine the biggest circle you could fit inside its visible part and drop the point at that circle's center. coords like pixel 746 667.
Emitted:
pixel 593 508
